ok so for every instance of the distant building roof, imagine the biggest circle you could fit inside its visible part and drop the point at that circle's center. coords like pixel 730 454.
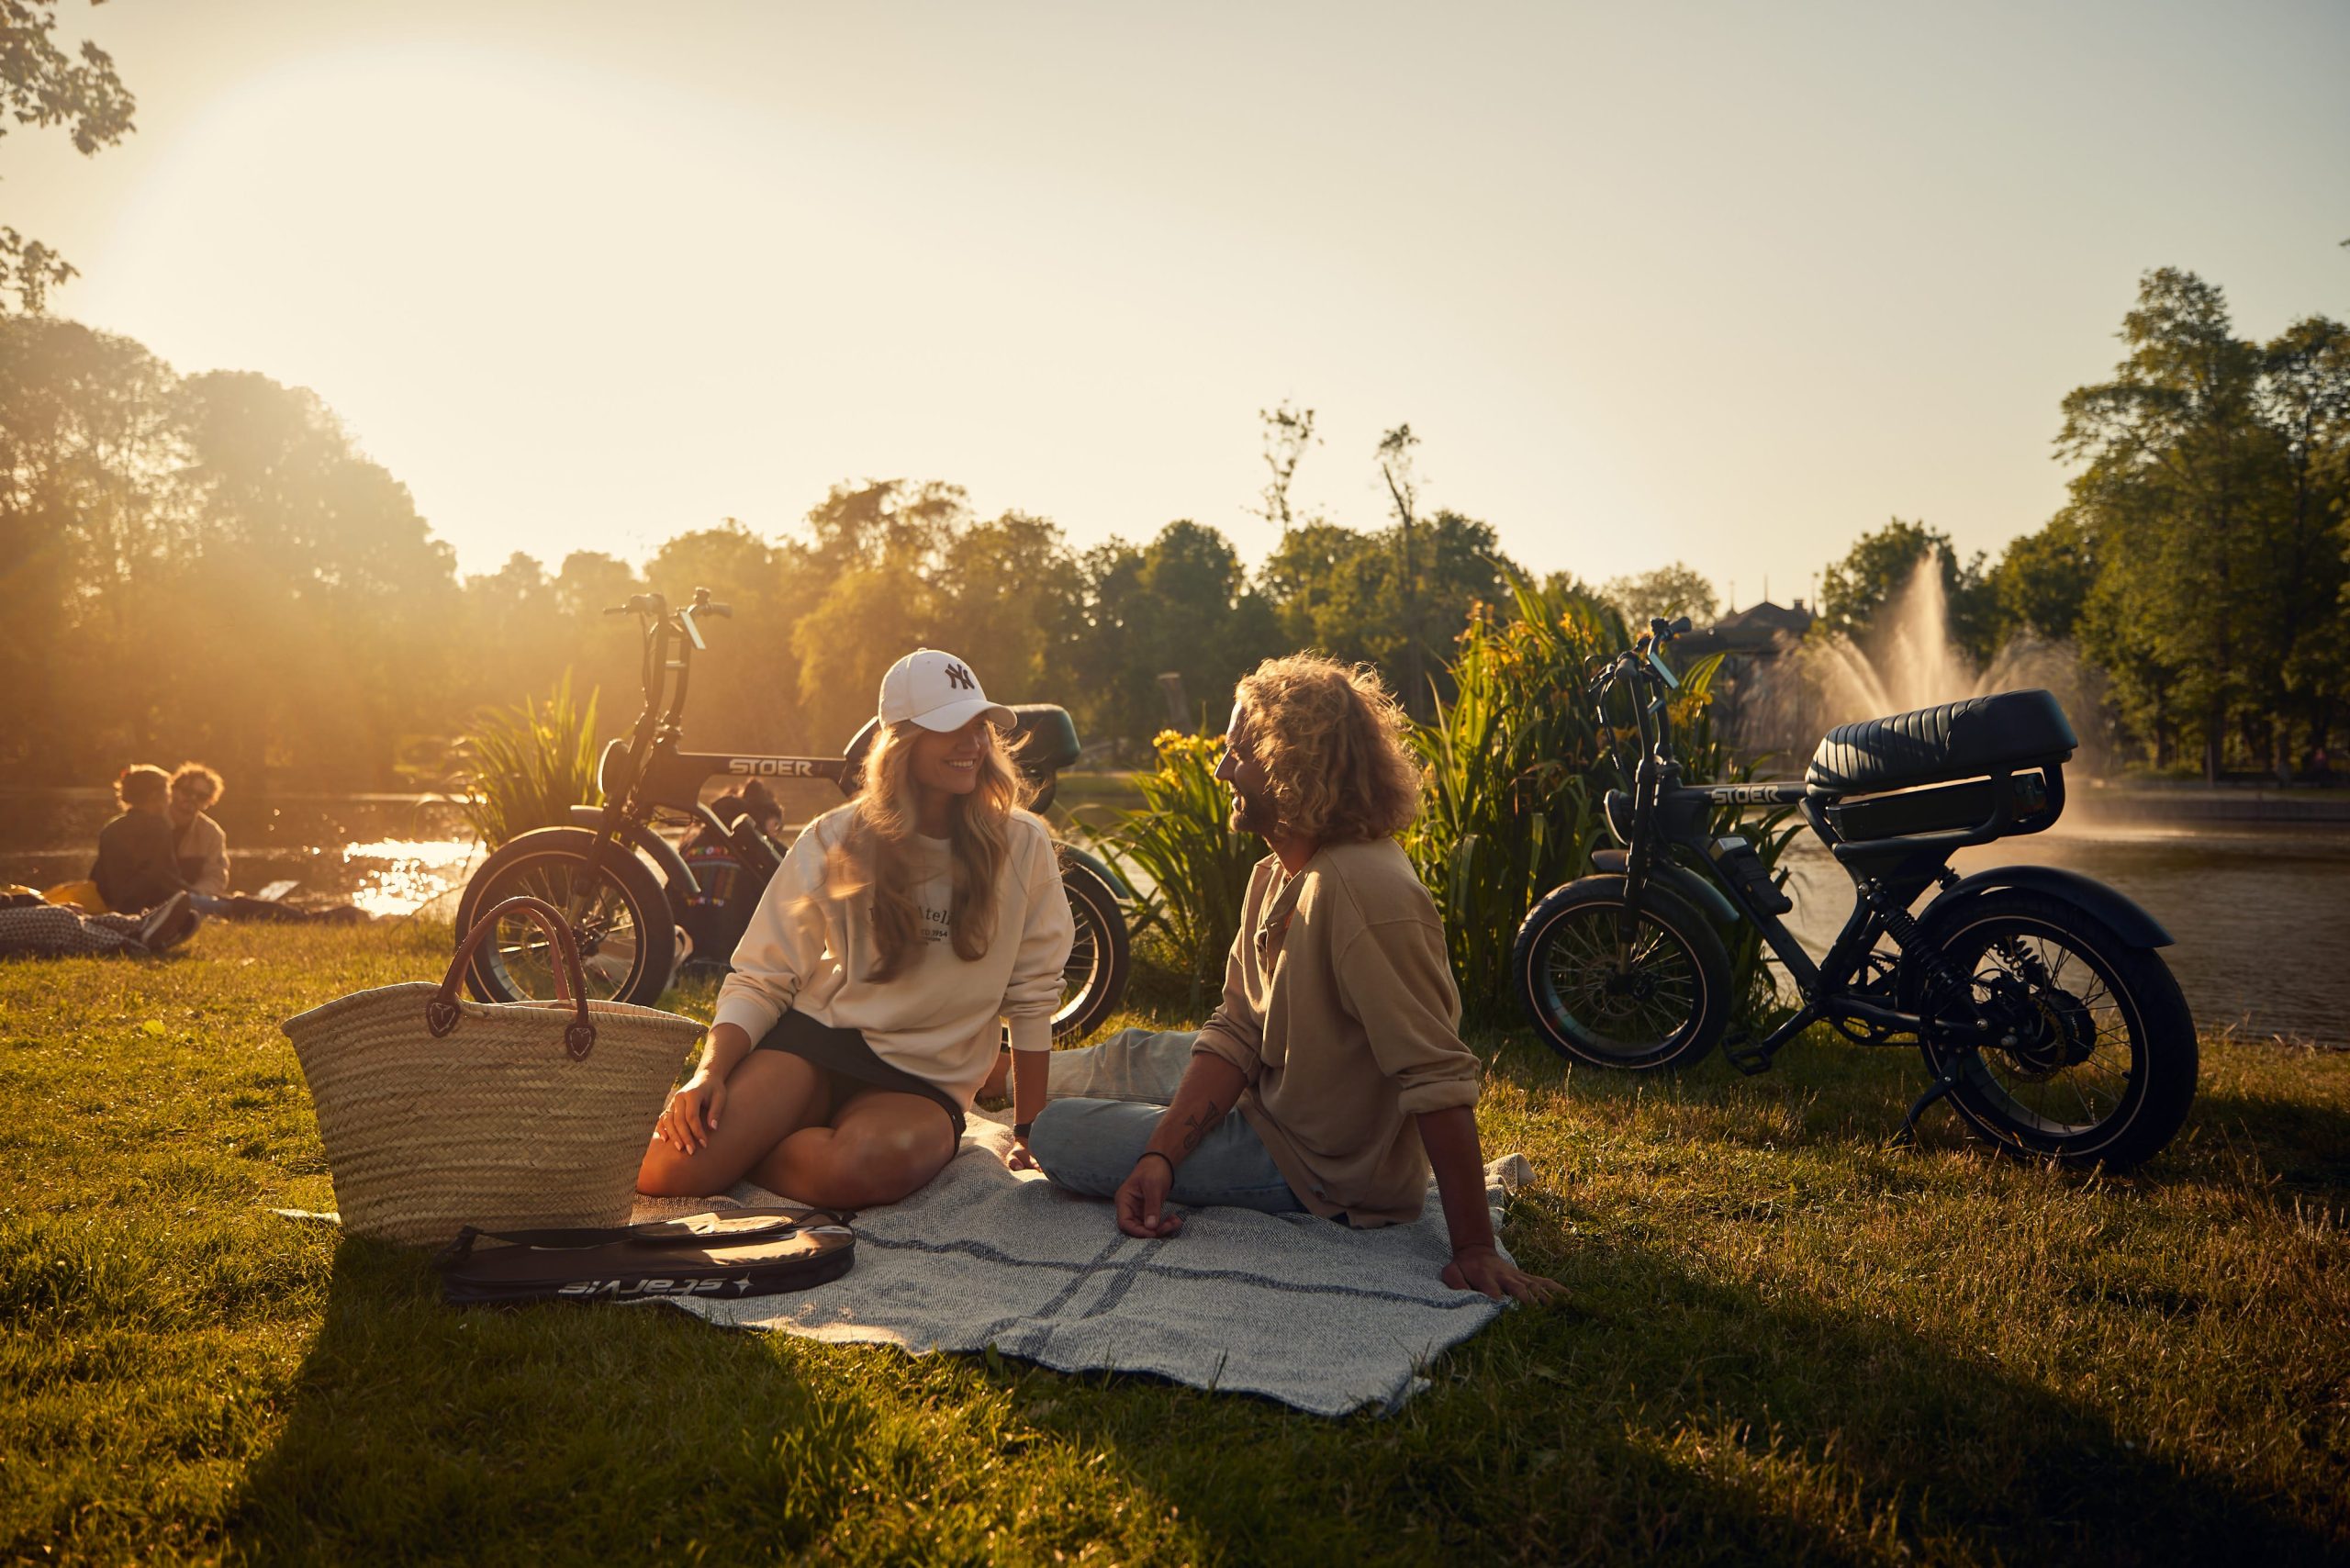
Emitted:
pixel 1751 630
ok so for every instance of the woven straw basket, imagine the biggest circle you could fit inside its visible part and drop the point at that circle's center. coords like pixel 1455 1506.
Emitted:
pixel 438 1112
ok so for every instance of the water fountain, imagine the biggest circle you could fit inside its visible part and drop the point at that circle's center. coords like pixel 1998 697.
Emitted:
pixel 1907 659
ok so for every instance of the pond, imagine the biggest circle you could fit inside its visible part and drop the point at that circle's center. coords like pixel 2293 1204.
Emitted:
pixel 2261 910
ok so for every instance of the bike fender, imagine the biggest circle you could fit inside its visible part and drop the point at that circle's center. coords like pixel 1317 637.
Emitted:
pixel 675 873
pixel 2130 922
pixel 1099 867
pixel 1694 889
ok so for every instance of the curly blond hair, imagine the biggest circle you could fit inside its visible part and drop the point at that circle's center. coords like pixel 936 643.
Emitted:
pixel 1331 739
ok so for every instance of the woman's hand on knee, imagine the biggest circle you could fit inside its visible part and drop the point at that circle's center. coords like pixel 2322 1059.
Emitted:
pixel 691 1115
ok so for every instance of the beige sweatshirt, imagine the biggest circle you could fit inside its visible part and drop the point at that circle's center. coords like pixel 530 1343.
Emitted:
pixel 1338 1002
pixel 936 1019
pixel 202 851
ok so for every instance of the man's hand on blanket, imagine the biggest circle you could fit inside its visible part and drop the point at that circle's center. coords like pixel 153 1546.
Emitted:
pixel 1482 1269
pixel 1142 1199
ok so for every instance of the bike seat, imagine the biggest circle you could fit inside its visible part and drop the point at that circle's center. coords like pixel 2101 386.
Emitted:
pixel 1956 740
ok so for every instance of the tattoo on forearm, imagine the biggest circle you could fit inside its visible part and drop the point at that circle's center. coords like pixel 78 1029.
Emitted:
pixel 1196 1125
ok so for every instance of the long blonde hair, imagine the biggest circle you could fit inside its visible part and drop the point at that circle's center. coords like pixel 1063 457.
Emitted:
pixel 873 854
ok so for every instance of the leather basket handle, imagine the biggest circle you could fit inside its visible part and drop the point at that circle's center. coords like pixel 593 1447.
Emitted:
pixel 442 1012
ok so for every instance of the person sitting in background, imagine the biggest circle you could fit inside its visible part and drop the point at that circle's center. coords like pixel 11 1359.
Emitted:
pixel 136 868
pixel 199 848
pixel 1332 1079
pixel 33 929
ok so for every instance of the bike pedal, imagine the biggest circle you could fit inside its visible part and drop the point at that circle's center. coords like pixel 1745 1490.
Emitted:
pixel 1740 1049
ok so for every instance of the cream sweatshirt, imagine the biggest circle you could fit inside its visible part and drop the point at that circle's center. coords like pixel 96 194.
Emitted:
pixel 936 1019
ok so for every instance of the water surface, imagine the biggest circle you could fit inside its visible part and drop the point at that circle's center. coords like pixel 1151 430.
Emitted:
pixel 2260 912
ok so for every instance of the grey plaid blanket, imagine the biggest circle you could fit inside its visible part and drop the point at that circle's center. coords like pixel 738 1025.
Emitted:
pixel 1291 1307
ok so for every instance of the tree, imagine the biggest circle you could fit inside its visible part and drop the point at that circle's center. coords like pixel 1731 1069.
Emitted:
pixel 2043 581
pixel 89 522
pixel 1395 466
pixel 1288 432
pixel 41 87
pixel 2213 499
pixel 1677 589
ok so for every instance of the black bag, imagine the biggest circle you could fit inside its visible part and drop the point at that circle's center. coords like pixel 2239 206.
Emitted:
pixel 719 1255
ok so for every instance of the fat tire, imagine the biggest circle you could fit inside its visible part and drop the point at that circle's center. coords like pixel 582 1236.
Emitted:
pixel 1092 903
pixel 2165 1057
pixel 638 886
pixel 1593 897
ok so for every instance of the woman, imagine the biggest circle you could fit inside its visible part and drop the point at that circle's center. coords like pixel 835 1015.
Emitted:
pixel 861 1016
pixel 199 849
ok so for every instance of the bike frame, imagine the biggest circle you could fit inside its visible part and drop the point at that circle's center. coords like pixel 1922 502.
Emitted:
pixel 1888 873
pixel 648 774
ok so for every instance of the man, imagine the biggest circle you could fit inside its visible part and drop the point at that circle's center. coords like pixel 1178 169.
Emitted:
pixel 1331 1079
pixel 135 870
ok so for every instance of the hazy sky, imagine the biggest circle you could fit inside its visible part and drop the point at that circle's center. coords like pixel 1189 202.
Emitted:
pixel 1727 283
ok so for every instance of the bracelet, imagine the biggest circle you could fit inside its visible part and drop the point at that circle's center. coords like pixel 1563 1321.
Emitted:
pixel 1150 1153
pixel 1019 1130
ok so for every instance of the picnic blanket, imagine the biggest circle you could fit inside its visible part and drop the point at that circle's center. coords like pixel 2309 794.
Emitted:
pixel 1289 1306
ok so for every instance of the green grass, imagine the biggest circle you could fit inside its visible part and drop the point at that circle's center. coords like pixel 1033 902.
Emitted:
pixel 1784 1341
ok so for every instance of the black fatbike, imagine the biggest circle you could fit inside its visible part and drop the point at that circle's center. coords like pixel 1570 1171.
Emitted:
pixel 2045 1013
pixel 629 893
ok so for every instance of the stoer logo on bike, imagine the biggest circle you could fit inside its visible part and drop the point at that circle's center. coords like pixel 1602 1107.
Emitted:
pixel 773 766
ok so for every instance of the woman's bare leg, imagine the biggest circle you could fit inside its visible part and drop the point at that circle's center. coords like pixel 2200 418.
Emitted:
pixel 771 1095
pixel 882 1147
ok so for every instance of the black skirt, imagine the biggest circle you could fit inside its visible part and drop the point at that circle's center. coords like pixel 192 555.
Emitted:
pixel 849 1065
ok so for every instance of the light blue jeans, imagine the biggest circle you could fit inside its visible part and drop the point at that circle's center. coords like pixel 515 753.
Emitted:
pixel 1103 1103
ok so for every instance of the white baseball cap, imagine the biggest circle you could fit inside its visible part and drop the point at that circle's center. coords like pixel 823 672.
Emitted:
pixel 938 691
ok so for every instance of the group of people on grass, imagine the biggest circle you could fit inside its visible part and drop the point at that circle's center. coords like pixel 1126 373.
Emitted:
pixel 162 866
pixel 860 1021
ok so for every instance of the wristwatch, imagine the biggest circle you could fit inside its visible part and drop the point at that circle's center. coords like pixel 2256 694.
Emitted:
pixel 1019 1130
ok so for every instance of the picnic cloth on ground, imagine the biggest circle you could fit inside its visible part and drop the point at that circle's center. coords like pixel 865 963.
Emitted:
pixel 1295 1308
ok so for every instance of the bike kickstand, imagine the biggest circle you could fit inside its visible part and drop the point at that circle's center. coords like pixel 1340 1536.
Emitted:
pixel 1947 1079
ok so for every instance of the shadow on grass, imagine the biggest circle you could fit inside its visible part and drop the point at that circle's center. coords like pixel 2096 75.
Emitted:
pixel 1662 1414
pixel 1666 1416
pixel 2302 1141
pixel 552 1434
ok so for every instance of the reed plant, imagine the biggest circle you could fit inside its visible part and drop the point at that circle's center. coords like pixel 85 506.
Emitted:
pixel 1180 852
pixel 525 766
pixel 1515 771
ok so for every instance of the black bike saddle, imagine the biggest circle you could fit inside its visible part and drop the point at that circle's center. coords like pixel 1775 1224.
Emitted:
pixel 1956 740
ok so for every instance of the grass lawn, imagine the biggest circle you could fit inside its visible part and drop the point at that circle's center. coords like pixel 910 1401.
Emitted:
pixel 1784 1341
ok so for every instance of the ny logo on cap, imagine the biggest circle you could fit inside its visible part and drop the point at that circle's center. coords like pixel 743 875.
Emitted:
pixel 960 678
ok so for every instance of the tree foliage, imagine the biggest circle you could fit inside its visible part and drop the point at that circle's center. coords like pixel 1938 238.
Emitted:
pixel 42 86
pixel 1667 591
pixel 2211 509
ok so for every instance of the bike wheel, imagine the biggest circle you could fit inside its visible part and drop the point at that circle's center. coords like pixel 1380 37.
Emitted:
pixel 2103 1061
pixel 1660 1001
pixel 1094 980
pixel 627 943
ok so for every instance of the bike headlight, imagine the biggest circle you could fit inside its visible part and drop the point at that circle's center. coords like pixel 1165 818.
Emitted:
pixel 1617 804
pixel 613 775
